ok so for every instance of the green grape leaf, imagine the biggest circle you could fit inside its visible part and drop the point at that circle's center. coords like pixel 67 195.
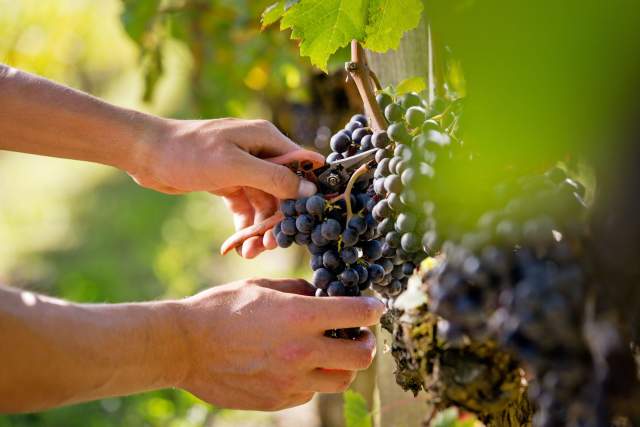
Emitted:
pixel 412 84
pixel 272 13
pixel 138 16
pixel 355 409
pixel 388 21
pixel 323 26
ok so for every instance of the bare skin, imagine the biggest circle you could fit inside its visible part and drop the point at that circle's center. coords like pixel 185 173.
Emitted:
pixel 255 344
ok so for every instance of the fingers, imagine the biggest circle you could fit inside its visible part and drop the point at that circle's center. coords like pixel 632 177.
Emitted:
pixel 329 381
pixel 264 206
pixel 273 179
pixel 351 355
pixel 242 209
pixel 290 286
pixel 320 314
pixel 262 138
pixel 269 240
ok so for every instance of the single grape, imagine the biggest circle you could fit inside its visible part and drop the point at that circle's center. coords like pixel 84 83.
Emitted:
pixel 315 205
pixel 315 249
pixel 415 116
pixel 383 99
pixel 352 127
pixel 363 274
pixel 288 207
pixel 288 226
pixel 409 242
pixel 277 229
pixel 408 197
pixel 305 223
pixel 322 277
pixel 430 125
pixel 360 118
pixel 358 134
pixel 393 239
pixel 382 169
pixel 395 203
pixel 393 112
pixel 387 264
pixel 349 277
pixel 366 144
pixel 407 268
pixel 283 240
pixel 381 210
pixel 372 250
pixel 331 260
pixel 334 157
pixel 397 272
pixel 393 164
pixel 378 187
pixel 340 142
pixel 349 255
pixel 302 239
pixel 437 106
pixel 376 272
pixel 317 237
pixel 408 177
pixel 331 229
pixel 411 99
pixel 380 139
pixel 382 153
pixel 398 133
pixel 385 226
pixel 405 222
pixel 316 262
pixel 301 205
pixel 336 289
pixel 358 224
pixel 393 184
pixel 349 237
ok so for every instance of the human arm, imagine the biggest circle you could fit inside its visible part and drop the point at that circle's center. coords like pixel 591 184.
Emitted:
pixel 253 345
pixel 222 156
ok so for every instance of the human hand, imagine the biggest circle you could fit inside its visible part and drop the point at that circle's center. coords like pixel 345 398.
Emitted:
pixel 224 157
pixel 260 344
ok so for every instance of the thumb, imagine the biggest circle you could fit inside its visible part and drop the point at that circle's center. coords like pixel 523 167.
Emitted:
pixel 274 179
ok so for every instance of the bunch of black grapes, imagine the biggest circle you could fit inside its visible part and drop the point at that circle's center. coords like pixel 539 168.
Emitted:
pixel 344 251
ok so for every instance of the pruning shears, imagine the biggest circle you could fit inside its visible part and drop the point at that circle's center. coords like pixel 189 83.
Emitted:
pixel 330 178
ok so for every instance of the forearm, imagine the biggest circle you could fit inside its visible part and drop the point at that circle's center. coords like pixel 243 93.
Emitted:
pixel 56 353
pixel 40 117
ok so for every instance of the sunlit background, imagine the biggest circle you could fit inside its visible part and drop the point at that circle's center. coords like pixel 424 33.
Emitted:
pixel 87 233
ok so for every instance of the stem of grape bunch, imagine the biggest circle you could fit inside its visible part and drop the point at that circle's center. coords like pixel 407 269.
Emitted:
pixel 359 72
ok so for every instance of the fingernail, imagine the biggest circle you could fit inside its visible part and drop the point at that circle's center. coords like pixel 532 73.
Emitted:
pixel 306 188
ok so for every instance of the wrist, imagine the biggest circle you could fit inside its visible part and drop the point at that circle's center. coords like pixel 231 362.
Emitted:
pixel 170 347
pixel 146 142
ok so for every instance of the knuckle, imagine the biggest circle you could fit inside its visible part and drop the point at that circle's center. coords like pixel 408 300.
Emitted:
pixel 296 354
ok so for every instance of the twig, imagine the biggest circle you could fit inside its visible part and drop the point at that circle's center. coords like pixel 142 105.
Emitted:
pixel 359 72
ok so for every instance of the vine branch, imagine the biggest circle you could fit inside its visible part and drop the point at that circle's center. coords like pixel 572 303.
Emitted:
pixel 359 72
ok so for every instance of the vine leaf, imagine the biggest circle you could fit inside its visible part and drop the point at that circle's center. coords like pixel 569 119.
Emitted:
pixel 275 11
pixel 324 26
pixel 412 84
pixel 388 20
pixel 356 413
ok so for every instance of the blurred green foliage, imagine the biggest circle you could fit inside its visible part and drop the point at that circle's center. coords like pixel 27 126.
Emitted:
pixel 86 232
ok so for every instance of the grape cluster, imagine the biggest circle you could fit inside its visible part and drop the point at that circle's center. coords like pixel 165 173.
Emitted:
pixel 344 248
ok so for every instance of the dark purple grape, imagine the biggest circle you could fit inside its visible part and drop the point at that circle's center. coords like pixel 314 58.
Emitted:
pixel 376 272
pixel 283 240
pixel 397 272
pixel 315 205
pixel 331 229
pixel 363 274
pixel 336 289
pixel 331 260
pixel 321 278
pixel 380 139
pixel 317 237
pixel 277 229
pixel 387 264
pixel 352 127
pixel 334 157
pixel 358 134
pixel 372 250
pixel 358 224
pixel 349 277
pixel 288 226
pixel 366 144
pixel 349 255
pixel 407 268
pixel 301 206
pixel 305 223
pixel 316 262
pixel 361 118
pixel 349 237
pixel 315 249
pixel 387 250
pixel 340 142
pixel 302 239
pixel 288 207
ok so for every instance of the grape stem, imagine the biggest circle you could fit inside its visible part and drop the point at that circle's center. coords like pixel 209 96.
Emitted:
pixel 347 191
pixel 359 72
